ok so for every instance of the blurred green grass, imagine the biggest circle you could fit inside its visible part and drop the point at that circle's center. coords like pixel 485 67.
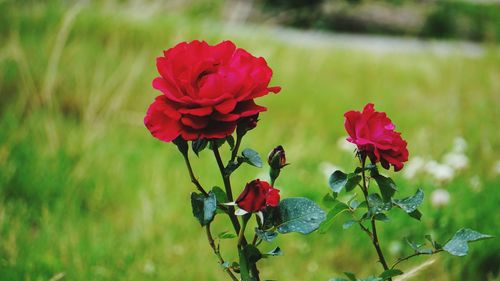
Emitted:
pixel 86 191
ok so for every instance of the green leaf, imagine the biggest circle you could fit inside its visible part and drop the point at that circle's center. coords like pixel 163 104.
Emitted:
pixel 352 182
pixel 370 278
pixel 275 252
pixel 299 215
pixel 204 207
pixel 457 245
pixel 220 195
pixel 199 145
pixel 330 217
pixel 350 275
pixel 348 224
pixel 252 157
pixel 412 244
pixel 416 214
pixel 338 279
pixel 267 236
pixel 410 204
pixel 339 180
pixel 329 200
pixel 244 269
pixel 390 273
pixel 381 217
pixel 252 253
pixel 377 205
pixel 226 235
pixel 386 185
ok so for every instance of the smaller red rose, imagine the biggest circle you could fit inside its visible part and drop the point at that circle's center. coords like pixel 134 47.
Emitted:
pixel 257 195
pixel 373 133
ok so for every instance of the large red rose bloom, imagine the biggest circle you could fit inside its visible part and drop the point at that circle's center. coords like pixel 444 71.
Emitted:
pixel 206 90
pixel 375 137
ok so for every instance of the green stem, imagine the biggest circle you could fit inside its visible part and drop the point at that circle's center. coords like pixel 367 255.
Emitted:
pixel 414 255
pixel 373 236
pixel 232 216
pixel 194 180
pixel 218 254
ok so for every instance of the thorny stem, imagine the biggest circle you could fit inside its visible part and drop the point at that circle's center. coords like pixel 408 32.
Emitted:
pixel 194 180
pixel 217 253
pixel 227 185
pixel 373 236
pixel 414 255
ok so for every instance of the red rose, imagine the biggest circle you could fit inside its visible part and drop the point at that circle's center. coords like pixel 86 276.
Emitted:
pixel 373 133
pixel 206 90
pixel 257 195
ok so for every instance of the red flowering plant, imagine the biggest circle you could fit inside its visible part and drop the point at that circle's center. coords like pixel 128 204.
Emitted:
pixel 208 100
pixel 376 140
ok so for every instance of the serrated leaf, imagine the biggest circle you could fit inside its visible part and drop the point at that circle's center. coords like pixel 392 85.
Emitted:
pixel 252 253
pixel 275 252
pixel 299 215
pixel 204 207
pixel 416 214
pixel 226 235
pixel 267 236
pixel 329 201
pixel 199 145
pixel 350 275
pixel 412 244
pixel 330 217
pixel 457 245
pixel 348 224
pixel 377 205
pixel 220 195
pixel 381 217
pixel 352 182
pixel 390 273
pixel 410 204
pixel 252 157
pixel 337 181
pixel 386 185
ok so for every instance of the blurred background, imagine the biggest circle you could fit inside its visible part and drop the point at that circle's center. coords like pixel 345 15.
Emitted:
pixel 87 194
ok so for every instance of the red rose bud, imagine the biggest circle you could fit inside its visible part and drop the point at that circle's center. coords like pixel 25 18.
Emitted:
pixel 276 158
pixel 206 90
pixel 375 137
pixel 257 195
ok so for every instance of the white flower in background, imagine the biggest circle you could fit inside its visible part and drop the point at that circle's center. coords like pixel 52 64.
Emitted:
pixel 328 168
pixel 496 168
pixel 149 267
pixel 395 247
pixel 440 198
pixel 475 183
pixel 457 161
pixel 343 144
pixel 440 172
pixel 459 145
pixel 413 167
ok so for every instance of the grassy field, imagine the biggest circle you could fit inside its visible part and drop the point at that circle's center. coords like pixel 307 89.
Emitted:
pixel 87 194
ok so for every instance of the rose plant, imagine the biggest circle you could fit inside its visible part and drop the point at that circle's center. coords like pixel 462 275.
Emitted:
pixel 208 100
pixel 376 141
